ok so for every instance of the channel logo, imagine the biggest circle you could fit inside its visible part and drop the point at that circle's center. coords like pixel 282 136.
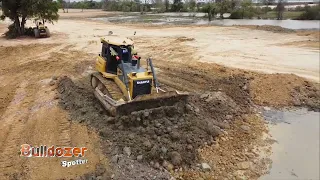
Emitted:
pixel 52 151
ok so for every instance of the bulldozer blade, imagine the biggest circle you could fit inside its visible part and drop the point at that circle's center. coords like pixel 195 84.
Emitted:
pixel 151 101
pixel 141 102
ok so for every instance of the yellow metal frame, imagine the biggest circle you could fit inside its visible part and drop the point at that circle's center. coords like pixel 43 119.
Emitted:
pixel 101 64
pixel 101 67
pixel 118 41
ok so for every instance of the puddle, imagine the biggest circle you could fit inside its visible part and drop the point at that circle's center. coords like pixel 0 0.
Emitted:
pixel 296 152
pixel 199 19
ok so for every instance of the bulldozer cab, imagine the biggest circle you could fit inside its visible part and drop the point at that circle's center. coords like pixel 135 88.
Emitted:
pixel 114 50
pixel 39 24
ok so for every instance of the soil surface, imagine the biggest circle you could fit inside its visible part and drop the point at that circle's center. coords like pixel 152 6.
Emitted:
pixel 215 134
pixel 168 136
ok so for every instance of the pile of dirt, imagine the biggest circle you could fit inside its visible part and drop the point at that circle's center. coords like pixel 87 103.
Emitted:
pixel 276 29
pixel 168 136
pixel 282 90
pixel 183 39
pixel 314 34
pixel 235 154
pixel 199 77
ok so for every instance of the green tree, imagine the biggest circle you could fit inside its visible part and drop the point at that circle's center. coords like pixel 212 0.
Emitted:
pixel 234 4
pixel 134 7
pixel 192 5
pixel 84 5
pixel 160 6
pixel 61 4
pixel 47 11
pixel 280 9
pixel 176 6
pixel 198 7
pixel 210 9
pixel 19 11
pixel 246 6
pixel 167 5
pixel 267 3
pixel 223 6
pixel 310 13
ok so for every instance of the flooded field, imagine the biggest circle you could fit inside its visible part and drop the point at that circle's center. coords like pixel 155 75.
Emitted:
pixel 200 19
pixel 296 150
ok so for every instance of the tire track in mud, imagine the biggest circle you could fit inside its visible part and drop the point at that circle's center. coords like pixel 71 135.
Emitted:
pixel 64 127
pixel 52 126
pixel 191 81
pixel 49 127
pixel 21 121
pixel 14 120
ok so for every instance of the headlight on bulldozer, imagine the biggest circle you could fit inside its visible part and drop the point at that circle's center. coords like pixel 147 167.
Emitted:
pixel 133 74
pixel 149 72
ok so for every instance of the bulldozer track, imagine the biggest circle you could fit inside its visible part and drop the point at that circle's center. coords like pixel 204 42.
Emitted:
pixel 64 127
pixel 14 120
pixel 109 87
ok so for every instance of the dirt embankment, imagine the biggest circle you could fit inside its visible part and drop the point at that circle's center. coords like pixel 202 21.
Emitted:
pixel 282 90
pixel 166 137
pixel 276 29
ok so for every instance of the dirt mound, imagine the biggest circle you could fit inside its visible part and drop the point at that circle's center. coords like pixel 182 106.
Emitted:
pixel 281 90
pixel 168 135
pixel 276 29
pixel 183 39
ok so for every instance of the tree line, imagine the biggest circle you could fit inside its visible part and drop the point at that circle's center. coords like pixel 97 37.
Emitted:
pixel 239 9
pixel 83 4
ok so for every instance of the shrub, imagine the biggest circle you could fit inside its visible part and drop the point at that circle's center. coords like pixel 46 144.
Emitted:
pixel 241 14
pixel 310 13
pixel 236 15
pixel 12 32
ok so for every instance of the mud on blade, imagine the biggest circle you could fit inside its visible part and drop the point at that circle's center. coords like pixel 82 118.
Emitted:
pixel 142 102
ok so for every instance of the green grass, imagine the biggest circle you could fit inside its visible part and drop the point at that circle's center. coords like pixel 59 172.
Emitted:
pixel 286 14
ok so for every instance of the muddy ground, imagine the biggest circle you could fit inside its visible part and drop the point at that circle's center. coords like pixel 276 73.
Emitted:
pixel 216 134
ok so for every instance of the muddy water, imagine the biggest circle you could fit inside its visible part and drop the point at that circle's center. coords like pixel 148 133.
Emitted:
pixel 296 152
pixel 198 19
pixel 289 24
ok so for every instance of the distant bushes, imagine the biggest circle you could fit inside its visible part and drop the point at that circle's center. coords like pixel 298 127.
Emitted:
pixel 125 6
pixel 310 13
pixel 246 10
pixel 241 14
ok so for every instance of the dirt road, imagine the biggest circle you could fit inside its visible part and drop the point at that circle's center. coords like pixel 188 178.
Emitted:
pixel 30 68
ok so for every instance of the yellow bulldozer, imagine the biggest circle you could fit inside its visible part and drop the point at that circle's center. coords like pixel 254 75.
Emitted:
pixel 122 85
pixel 41 30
